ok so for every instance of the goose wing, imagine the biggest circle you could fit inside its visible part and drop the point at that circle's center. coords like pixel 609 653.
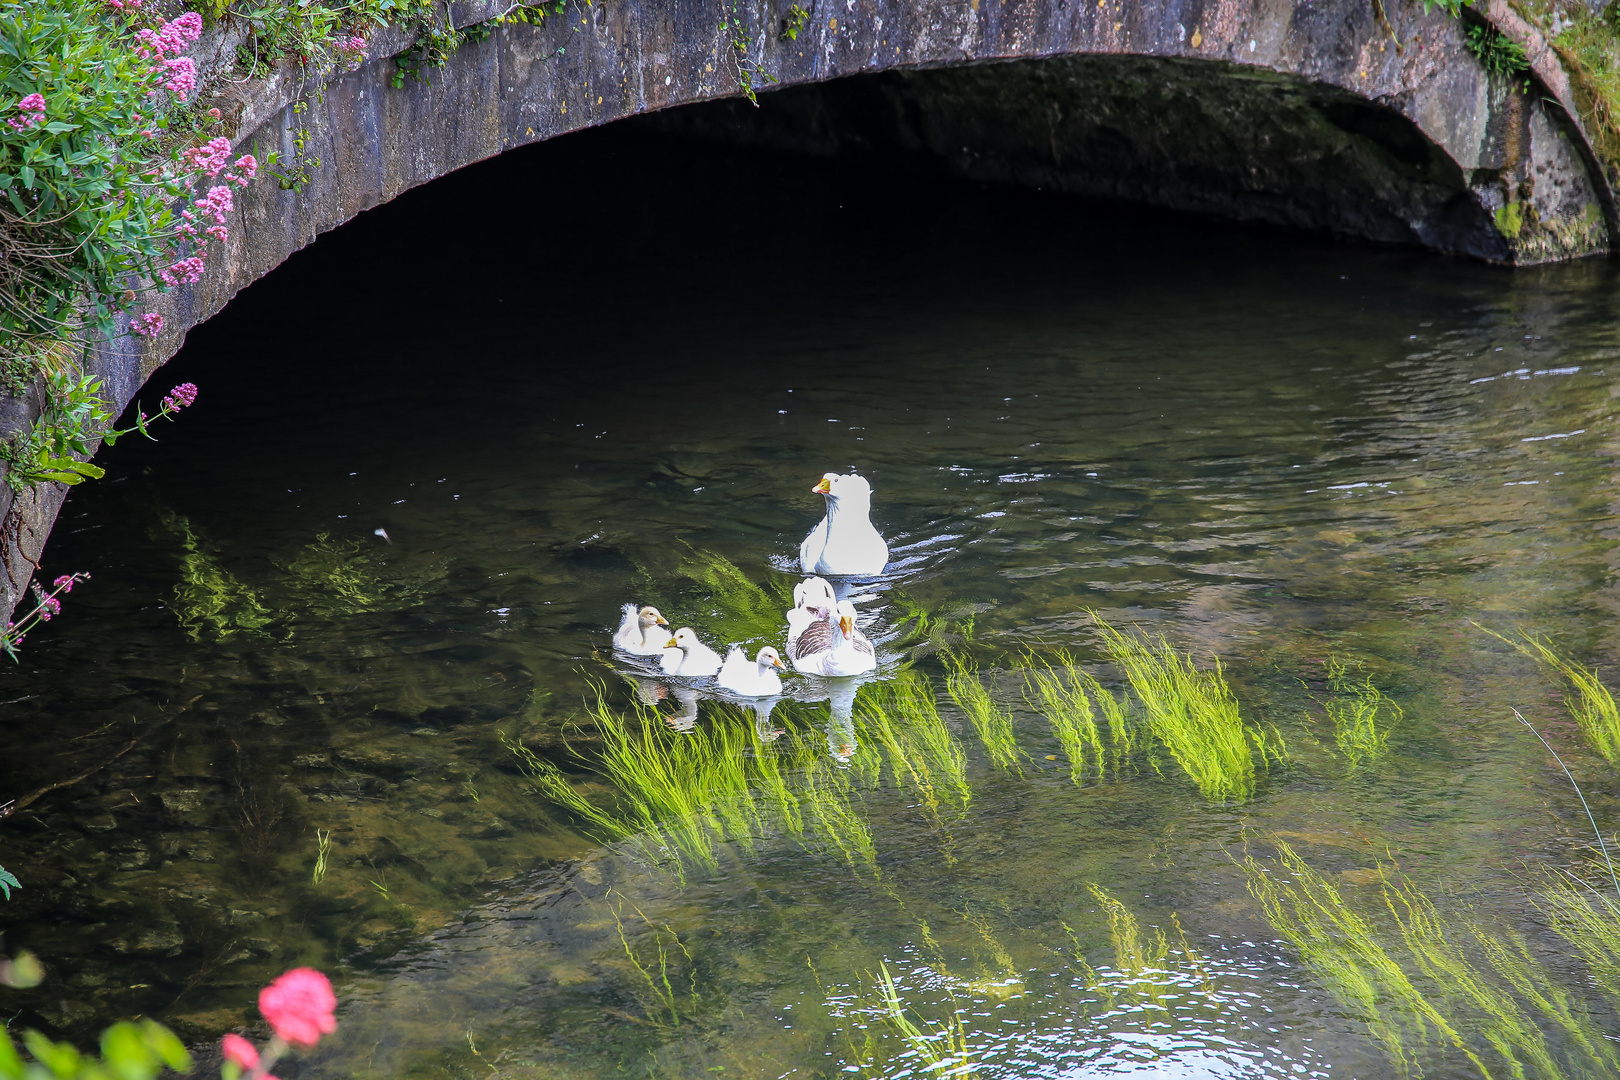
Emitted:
pixel 817 638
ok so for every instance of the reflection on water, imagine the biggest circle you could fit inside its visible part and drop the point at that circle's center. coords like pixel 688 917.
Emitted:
pixel 417 762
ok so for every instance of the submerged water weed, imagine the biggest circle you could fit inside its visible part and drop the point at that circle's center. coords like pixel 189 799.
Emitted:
pixel 340 577
pixel 993 723
pixel 323 853
pixel 1481 989
pixel 1361 715
pixel 1588 700
pixel 1193 714
pixel 923 630
pixel 656 974
pixel 1148 972
pixel 901 716
pixel 741 612
pixel 683 796
pixel 1070 699
pixel 1590 922
pixel 211 603
pixel 942 1048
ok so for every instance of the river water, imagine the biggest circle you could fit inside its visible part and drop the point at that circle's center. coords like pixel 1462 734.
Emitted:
pixel 435 452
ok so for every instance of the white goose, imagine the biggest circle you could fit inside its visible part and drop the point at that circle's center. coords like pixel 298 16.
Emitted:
pixel 845 542
pixel 638 631
pixel 834 646
pixel 751 678
pixel 685 655
pixel 812 599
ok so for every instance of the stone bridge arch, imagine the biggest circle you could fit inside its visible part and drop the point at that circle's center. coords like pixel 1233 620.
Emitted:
pixel 1364 118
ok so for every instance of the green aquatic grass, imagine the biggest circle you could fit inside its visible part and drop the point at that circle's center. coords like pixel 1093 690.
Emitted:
pixel 1361 715
pixel 211 603
pixel 1590 922
pixel 992 722
pixel 1193 714
pixel 1415 977
pixel 901 716
pixel 654 986
pixel 1067 707
pixel 739 611
pixel 942 1048
pixel 335 578
pixel 683 797
pixel 1588 700
pixel 923 629
pixel 1150 970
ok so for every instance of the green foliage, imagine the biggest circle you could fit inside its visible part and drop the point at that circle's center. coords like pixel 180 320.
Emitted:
pixel 8 881
pixel 71 420
pixel 1450 7
pixel 81 207
pixel 129 1051
pixel 211 603
pixel 793 22
pixel 749 74
pixel 901 716
pixel 1069 698
pixel 739 612
pixel 1150 971
pixel 1496 52
pixel 1588 700
pixel 684 795
pixel 1194 715
pixel 1415 977
pixel 990 720
pixel 1361 714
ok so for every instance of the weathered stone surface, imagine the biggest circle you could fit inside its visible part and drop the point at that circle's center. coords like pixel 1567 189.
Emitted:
pixel 1365 119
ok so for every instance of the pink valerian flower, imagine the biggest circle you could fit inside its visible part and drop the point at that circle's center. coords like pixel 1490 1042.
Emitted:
pixel 30 111
pixel 299 1005
pixel 185 272
pixel 148 325
pixel 180 397
pixel 123 5
pixel 219 232
pixel 240 1051
pixel 64 583
pixel 179 76
pixel 248 164
pixel 172 37
pixel 216 204
pixel 211 157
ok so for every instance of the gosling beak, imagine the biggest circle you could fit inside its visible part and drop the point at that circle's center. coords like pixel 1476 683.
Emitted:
pixel 662 621
pixel 672 644
pixel 846 624
pixel 778 664
pixel 823 488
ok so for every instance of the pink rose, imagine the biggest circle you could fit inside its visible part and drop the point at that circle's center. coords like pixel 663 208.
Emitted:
pixel 299 1006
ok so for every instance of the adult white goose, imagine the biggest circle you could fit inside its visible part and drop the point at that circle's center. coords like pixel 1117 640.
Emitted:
pixel 685 655
pixel 812 599
pixel 834 646
pixel 638 631
pixel 845 542
pixel 751 678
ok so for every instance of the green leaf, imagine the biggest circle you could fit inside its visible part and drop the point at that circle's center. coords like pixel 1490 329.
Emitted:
pixel 8 881
pixel 27 175
pixel 58 127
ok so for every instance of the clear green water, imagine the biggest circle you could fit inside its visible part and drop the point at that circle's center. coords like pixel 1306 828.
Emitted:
pixel 548 376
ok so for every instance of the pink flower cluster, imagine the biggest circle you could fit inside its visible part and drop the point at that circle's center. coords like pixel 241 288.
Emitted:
pixel 180 397
pixel 211 157
pixel 173 36
pixel 179 76
pixel 354 43
pixel 124 5
pixel 30 111
pixel 300 1006
pixel 187 271
pixel 216 204
pixel 65 582
pixel 148 325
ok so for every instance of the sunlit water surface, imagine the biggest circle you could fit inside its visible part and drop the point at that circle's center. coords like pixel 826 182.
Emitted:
pixel 558 381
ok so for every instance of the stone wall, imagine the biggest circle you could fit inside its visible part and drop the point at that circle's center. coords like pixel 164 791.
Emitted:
pixel 1367 120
